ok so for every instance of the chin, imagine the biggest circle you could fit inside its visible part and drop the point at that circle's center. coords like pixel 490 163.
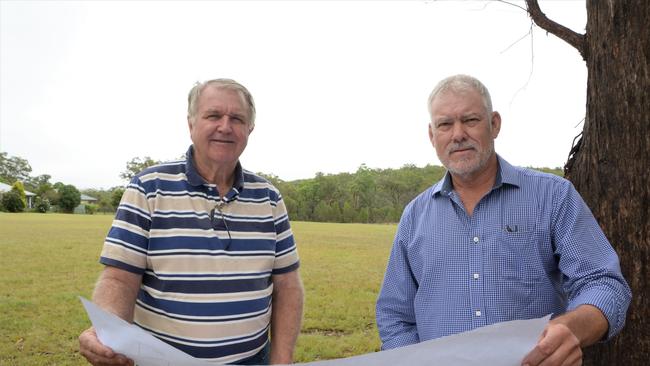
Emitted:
pixel 464 167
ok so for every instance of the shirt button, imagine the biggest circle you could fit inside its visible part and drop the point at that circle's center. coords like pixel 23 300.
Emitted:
pixel 476 239
pixel 478 313
pixel 476 276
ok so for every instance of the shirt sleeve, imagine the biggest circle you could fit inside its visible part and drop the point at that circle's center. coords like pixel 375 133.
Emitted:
pixel 286 253
pixel 127 241
pixel 589 264
pixel 395 310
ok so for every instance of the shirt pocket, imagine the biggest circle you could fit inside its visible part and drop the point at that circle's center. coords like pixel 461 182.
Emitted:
pixel 518 257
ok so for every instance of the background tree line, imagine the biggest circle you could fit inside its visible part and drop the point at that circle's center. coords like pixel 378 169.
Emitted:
pixel 368 195
pixel 16 172
pixel 365 196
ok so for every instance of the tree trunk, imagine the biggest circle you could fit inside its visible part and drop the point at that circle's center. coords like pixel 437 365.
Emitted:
pixel 610 168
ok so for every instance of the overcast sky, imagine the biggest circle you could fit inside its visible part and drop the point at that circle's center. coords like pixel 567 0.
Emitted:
pixel 86 85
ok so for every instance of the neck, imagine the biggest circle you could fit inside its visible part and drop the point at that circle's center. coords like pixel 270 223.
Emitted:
pixel 222 176
pixel 472 187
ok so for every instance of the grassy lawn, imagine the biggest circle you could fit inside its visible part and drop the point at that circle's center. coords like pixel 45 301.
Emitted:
pixel 48 260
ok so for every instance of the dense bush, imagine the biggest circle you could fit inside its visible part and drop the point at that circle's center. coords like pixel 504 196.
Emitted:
pixel 90 208
pixel 69 198
pixel 41 205
pixel 11 201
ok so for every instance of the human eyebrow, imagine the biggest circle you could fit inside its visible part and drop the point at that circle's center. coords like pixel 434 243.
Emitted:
pixel 238 116
pixel 442 121
pixel 209 112
pixel 471 116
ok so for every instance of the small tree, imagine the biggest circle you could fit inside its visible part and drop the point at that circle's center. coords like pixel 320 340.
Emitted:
pixel 19 188
pixel 136 165
pixel 13 168
pixel 69 198
pixel 11 202
pixel 116 197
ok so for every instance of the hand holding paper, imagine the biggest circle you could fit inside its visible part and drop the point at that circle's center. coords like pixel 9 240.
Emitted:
pixel 502 344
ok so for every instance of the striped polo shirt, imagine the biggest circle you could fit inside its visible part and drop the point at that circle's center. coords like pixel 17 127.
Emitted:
pixel 206 262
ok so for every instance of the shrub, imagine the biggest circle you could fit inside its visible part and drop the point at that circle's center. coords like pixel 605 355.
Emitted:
pixel 69 198
pixel 12 202
pixel 91 208
pixel 41 205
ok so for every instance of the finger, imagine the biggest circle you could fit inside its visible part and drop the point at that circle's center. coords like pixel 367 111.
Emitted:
pixel 567 354
pixel 117 360
pixel 90 344
pixel 574 358
pixel 544 348
pixel 97 353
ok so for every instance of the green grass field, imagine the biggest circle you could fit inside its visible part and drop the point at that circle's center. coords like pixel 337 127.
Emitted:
pixel 49 260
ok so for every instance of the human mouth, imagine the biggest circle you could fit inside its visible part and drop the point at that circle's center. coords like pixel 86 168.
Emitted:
pixel 220 141
pixel 460 149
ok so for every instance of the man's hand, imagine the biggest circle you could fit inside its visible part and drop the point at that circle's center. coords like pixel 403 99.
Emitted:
pixel 558 346
pixel 563 338
pixel 115 292
pixel 96 353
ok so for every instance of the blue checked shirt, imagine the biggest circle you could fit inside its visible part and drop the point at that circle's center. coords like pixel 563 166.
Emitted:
pixel 530 248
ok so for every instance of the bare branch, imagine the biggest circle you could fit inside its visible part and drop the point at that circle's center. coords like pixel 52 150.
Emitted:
pixel 529 33
pixel 532 63
pixel 513 4
pixel 576 40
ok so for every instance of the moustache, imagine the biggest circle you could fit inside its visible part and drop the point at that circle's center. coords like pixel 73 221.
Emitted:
pixel 461 146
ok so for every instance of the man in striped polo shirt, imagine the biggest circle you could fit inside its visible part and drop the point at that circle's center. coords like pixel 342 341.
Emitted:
pixel 201 253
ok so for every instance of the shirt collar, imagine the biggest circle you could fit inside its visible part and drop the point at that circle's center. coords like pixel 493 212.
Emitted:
pixel 195 179
pixel 506 174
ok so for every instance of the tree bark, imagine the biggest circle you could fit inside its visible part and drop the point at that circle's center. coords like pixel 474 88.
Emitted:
pixel 611 167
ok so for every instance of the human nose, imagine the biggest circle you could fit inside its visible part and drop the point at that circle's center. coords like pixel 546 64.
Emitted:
pixel 225 124
pixel 458 132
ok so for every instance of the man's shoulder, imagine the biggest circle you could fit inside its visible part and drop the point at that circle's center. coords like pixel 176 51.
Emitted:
pixel 537 177
pixel 169 168
pixel 168 176
pixel 256 182
pixel 250 177
pixel 424 197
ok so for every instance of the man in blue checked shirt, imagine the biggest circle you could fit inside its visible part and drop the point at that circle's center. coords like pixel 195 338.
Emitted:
pixel 491 243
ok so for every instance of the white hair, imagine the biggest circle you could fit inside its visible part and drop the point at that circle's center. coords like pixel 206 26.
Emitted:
pixel 228 84
pixel 462 83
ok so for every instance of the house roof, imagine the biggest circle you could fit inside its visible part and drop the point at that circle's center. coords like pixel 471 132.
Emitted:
pixel 7 188
pixel 85 197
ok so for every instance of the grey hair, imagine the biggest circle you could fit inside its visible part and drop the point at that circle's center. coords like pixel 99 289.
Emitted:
pixel 462 83
pixel 228 84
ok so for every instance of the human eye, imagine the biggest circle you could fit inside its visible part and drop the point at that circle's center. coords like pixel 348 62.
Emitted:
pixel 237 119
pixel 213 116
pixel 471 120
pixel 443 125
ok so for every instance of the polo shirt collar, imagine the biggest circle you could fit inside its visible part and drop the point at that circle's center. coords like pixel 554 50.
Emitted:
pixel 195 179
pixel 506 174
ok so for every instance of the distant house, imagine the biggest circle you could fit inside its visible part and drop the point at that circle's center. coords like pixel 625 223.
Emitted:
pixel 29 195
pixel 85 199
pixel 88 199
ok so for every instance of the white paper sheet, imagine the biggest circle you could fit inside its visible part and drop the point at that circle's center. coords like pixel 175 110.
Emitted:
pixel 502 344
